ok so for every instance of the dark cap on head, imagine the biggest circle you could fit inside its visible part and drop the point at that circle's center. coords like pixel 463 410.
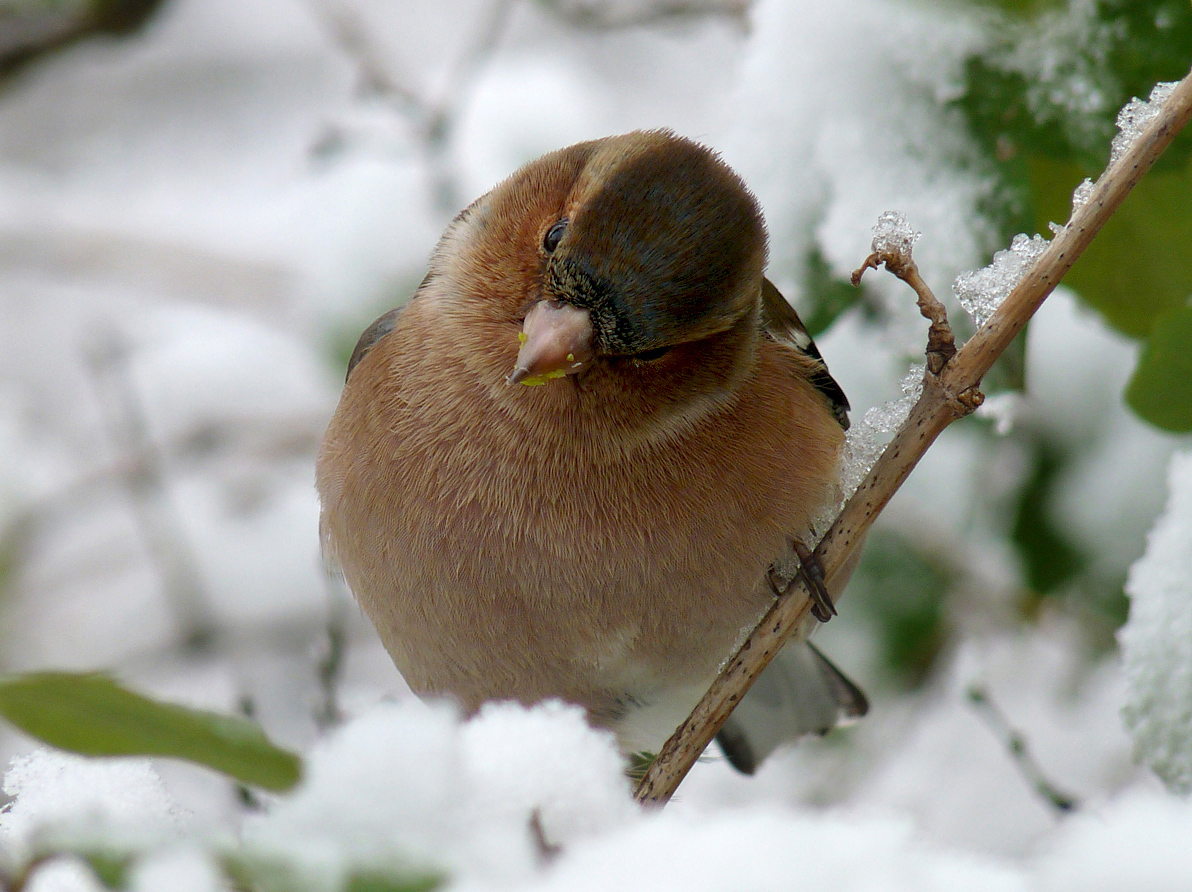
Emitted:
pixel 667 247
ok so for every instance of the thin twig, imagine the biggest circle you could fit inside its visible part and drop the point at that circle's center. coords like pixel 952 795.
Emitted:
pixel 941 343
pixel 433 119
pixel 947 395
pixel 1019 751
pixel 330 665
pixel 546 850
pixel 607 17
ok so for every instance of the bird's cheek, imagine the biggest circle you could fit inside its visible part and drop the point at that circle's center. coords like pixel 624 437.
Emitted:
pixel 556 340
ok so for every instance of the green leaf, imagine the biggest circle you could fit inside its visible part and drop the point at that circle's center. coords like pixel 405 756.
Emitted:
pixel 1134 270
pixel 374 881
pixel 110 868
pixel 902 592
pixel 1049 558
pixel 91 714
pixel 825 297
pixel 1161 389
pixel 271 873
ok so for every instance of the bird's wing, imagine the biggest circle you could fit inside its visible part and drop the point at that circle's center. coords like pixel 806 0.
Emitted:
pixel 371 335
pixel 799 693
pixel 783 324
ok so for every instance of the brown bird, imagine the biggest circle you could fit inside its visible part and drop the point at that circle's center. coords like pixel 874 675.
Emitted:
pixel 607 538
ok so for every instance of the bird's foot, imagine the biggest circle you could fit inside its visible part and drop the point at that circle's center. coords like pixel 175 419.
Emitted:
pixel 812 572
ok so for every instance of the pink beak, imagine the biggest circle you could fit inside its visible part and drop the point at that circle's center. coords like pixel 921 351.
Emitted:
pixel 556 341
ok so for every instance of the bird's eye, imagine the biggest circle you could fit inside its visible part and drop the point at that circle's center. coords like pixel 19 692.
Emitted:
pixel 651 355
pixel 553 235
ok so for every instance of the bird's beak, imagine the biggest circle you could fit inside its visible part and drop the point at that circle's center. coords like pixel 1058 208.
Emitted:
pixel 556 340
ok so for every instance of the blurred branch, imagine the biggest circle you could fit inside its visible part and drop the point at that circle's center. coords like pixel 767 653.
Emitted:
pixel 146 485
pixel 433 119
pixel 33 30
pixel 1016 745
pixel 947 395
pixel 330 665
pixel 609 15
pixel 272 440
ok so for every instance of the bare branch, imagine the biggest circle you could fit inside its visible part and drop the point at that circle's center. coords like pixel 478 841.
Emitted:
pixel 147 490
pixel 1016 745
pixel 593 15
pixel 947 395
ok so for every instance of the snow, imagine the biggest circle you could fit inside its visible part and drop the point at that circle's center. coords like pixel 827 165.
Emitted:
pixel 1136 841
pixel 770 849
pixel 408 786
pixel 893 234
pixel 866 439
pixel 63 799
pixel 1134 118
pixel 840 113
pixel 65 875
pixel 1081 194
pixel 983 291
pixel 1157 641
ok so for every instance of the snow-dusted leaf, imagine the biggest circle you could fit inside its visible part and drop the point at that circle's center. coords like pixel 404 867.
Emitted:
pixel 91 714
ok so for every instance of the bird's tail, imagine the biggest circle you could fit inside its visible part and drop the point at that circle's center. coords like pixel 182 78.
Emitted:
pixel 799 693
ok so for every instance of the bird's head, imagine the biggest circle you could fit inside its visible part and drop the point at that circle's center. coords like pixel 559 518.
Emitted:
pixel 615 253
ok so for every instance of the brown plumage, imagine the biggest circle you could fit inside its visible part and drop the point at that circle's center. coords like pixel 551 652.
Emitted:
pixel 603 538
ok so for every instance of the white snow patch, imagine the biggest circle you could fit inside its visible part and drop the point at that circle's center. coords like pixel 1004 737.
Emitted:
pixel 983 291
pixel 865 441
pixel 1003 409
pixel 1157 640
pixel 770 849
pixel 66 800
pixel 512 758
pixel 1136 841
pixel 1133 119
pixel 893 234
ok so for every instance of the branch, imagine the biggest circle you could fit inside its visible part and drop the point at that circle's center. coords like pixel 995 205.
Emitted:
pixel 948 394
pixel 1019 751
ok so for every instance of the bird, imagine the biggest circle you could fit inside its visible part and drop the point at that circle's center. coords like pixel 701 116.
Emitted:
pixel 571 465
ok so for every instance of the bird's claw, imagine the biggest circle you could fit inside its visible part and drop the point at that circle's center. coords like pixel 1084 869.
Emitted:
pixel 812 572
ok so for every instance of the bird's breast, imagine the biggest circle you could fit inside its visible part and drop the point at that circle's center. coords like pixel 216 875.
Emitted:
pixel 505 548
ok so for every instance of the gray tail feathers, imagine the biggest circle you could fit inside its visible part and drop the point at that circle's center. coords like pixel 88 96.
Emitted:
pixel 799 693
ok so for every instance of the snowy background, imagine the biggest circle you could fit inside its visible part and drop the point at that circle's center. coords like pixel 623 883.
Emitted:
pixel 195 224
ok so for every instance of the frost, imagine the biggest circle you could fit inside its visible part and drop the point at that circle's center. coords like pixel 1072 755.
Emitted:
pixel 982 292
pixel 865 441
pixel 1135 117
pixel 1157 640
pixel 894 235
pixel 1082 194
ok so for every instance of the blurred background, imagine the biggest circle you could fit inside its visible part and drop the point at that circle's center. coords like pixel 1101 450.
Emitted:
pixel 203 202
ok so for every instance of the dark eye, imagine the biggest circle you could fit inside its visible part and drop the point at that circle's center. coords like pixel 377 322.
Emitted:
pixel 553 235
pixel 651 355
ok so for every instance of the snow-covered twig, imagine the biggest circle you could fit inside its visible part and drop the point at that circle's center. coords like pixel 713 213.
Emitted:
pixel 947 395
